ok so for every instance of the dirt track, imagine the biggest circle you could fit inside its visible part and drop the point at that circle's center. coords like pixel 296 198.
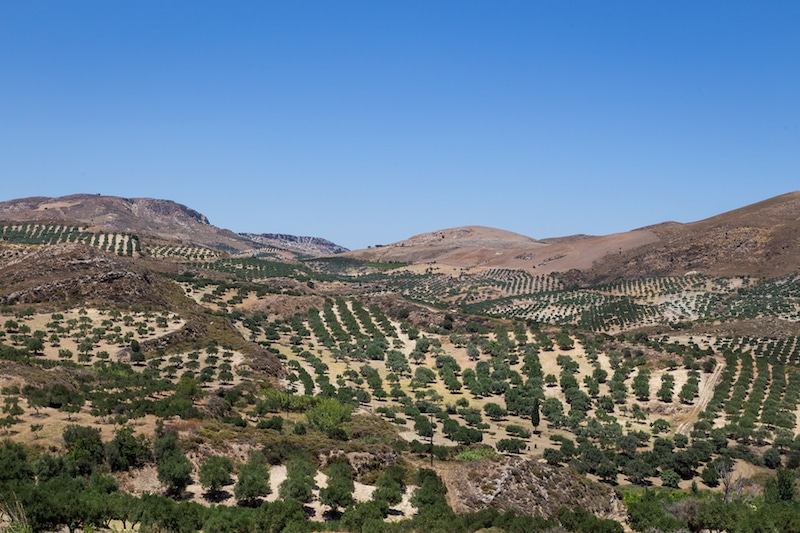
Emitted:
pixel 706 392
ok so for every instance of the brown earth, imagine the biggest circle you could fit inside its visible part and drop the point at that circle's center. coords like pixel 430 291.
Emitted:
pixel 760 240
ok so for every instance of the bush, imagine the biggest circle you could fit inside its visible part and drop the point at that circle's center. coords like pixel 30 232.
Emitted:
pixel 511 445
pixel 327 415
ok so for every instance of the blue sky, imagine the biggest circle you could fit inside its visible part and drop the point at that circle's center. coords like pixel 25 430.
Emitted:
pixel 368 122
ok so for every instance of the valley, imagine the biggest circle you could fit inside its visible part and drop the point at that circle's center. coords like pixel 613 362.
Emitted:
pixel 457 381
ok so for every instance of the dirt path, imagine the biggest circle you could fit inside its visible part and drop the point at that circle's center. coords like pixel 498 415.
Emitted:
pixel 706 392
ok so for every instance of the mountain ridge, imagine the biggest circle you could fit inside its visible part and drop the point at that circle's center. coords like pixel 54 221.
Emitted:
pixel 759 239
pixel 164 219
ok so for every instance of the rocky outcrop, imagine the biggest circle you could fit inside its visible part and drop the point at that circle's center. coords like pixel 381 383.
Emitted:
pixel 528 487
pixel 75 273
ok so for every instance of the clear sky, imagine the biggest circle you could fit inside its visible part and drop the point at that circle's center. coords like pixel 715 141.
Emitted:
pixel 368 122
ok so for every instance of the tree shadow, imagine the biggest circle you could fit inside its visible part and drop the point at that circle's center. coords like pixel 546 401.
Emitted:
pixel 252 503
pixel 217 496
pixel 332 515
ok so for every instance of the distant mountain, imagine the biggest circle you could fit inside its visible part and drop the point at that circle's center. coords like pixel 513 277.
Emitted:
pixel 163 219
pixel 760 240
pixel 312 246
pixel 144 216
pixel 476 246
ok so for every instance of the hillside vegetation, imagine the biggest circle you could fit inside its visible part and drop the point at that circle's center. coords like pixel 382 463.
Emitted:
pixel 184 385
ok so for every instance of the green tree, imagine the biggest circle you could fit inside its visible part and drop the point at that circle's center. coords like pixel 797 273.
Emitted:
pixel 281 516
pixel 327 415
pixel 535 417
pixel 472 352
pixel 667 386
pixel 215 472
pixel 430 489
pixel 641 385
pixel 253 480
pixel 494 411
pixel 299 482
pixel 84 447
pixel 12 409
pixel 607 471
pixel 175 473
pixel 389 486
pixel 34 344
pixel 553 456
pixel 126 450
pixel 339 492
pixel 772 458
pixel 782 488
pixel 670 478
pixel 174 469
pixel 638 471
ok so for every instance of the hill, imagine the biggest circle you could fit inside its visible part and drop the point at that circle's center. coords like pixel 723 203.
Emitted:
pixel 480 247
pixel 305 246
pixel 145 216
pixel 160 220
pixel 759 240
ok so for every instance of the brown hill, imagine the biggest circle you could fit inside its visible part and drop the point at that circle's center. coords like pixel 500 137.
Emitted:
pixel 144 216
pixel 759 240
pixel 68 275
pixel 307 246
pixel 476 246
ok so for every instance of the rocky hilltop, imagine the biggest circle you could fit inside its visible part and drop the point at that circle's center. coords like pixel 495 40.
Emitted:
pixel 164 219
pixel 312 246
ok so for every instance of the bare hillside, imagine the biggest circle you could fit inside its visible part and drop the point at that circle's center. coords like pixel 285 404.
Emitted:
pixel 760 240
pixel 475 246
